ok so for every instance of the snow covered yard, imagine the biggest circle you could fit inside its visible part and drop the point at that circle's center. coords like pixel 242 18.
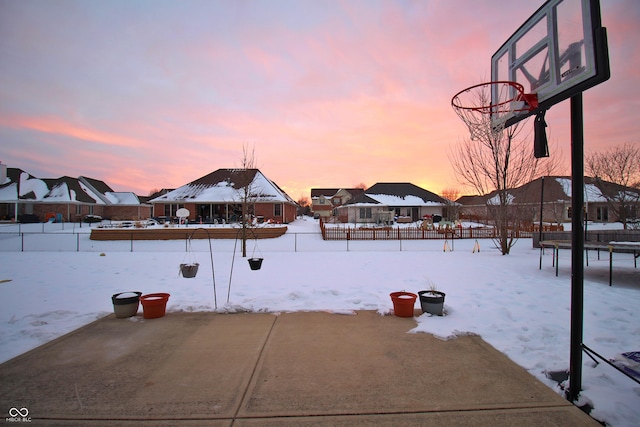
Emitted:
pixel 522 311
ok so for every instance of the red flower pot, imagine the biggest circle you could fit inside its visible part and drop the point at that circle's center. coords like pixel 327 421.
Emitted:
pixel 154 305
pixel 403 303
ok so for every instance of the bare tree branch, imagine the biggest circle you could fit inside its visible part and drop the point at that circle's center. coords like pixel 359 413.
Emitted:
pixel 496 161
pixel 620 166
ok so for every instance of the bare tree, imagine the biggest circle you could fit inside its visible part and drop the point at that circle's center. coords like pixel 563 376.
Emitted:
pixel 450 195
pixel 617 171
pixel 495 162
pixel 246 193
pixel 304 205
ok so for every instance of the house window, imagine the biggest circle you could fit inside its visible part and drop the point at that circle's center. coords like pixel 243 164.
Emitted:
pixel 170 210
pixel 602 213
pixel 277 209
pixel 569 212
pixel 365 213
pixel 78 209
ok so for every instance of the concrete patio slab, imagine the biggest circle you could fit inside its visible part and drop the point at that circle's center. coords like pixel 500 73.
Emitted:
pixel 307 368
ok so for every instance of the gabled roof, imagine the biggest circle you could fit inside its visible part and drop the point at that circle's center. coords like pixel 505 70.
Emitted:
pixel 224 185
pixel 22 186
pixel 66 189
pixel 398 194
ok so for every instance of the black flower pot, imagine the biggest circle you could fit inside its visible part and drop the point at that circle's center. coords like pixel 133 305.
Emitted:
pixel 255 263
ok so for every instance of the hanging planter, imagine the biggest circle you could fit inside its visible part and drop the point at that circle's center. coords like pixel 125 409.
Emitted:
pixel 403 303
pixel 432 302
pixel 255 263
pixel 154 305
pixel 189 271
pixel 125 304
pixel 189 266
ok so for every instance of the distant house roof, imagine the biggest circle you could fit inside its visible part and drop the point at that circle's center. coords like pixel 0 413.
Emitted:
pixel 556 189
pixel 471 200
pixel 398 194
pixel 146 199
pixel 330 192
pixel 22 186
pixel 223 185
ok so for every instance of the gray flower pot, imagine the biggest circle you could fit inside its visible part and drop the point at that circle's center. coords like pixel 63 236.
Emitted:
pixel 432 302
pixel 125 304
pixel 189 271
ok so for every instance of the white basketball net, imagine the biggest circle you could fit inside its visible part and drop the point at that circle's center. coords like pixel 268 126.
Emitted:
pixel 485 115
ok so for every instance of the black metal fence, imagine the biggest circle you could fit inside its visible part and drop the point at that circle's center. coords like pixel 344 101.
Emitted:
pixel 75 238
pixel 411 233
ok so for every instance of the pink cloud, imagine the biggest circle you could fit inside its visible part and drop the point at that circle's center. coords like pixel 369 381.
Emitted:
pixel 331 94
pixel 56 125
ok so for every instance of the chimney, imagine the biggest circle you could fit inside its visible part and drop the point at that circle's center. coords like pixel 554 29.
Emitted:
pixel 3 173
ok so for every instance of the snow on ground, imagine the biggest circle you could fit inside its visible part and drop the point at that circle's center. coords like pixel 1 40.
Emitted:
pixel 521 310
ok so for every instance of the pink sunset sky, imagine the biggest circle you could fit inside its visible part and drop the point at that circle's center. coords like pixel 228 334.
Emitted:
pixel 154 94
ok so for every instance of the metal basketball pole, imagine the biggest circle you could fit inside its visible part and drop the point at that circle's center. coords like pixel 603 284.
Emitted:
pixel 577 247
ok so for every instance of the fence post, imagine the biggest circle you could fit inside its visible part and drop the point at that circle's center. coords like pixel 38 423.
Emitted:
pixel 131 242
pixel 77 242
pixel 22 245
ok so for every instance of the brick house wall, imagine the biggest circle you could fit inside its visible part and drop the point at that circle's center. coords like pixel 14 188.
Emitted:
pixel 268 211
pixel 127 212
pixel 74 212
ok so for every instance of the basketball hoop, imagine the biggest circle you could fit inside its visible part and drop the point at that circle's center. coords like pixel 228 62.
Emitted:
pixel 486 107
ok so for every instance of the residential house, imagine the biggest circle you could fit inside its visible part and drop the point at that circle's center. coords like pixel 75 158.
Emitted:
pixel 66 199
pixel 324 201
pixel 218 197
pixel 389 201
pixel 603 201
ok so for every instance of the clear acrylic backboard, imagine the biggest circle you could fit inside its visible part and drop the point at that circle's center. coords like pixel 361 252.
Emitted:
pixel 559 51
